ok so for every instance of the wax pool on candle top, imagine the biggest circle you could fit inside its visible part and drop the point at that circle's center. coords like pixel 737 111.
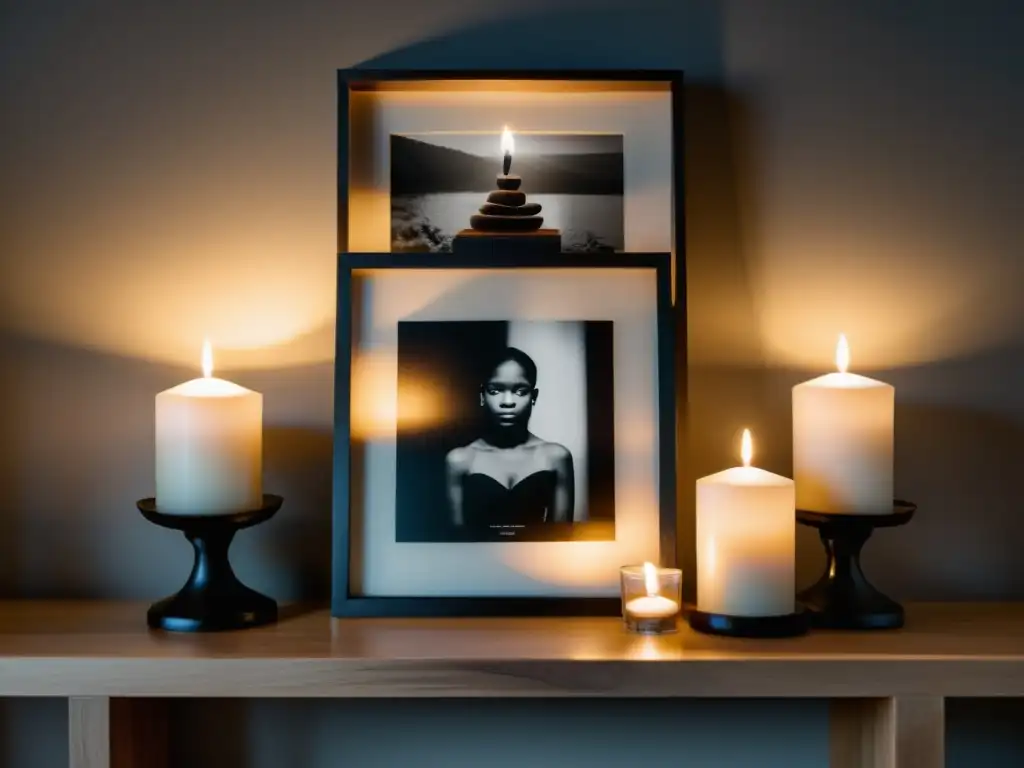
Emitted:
pixel 843 442
pixel 652 607
pixel 746 541
pixel 209 446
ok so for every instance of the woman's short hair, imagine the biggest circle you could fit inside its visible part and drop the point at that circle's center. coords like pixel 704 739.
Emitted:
pixel 517 356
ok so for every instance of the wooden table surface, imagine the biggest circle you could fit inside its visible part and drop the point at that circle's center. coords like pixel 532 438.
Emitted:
pixel 50 648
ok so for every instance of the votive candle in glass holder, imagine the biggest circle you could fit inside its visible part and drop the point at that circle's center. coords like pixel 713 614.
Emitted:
pixel 651 598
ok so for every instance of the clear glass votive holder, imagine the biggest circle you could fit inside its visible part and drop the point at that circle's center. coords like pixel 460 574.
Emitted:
pixel 651 598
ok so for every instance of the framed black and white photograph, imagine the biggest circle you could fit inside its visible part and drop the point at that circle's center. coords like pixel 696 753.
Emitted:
pixel 573 182
pixel 600 152
pixel 504 432
pixel 526 448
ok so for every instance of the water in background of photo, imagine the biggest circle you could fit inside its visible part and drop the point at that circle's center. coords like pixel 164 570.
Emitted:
pixel 438 181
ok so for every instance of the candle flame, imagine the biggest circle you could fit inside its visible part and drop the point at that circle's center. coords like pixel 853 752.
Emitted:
pixel 746 448
pixel 842 353
pixel 508 144
pixel 207 359
pixel 651 579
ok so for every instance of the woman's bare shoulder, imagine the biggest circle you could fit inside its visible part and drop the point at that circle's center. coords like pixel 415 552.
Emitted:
pixel 460 459
pixel 554 452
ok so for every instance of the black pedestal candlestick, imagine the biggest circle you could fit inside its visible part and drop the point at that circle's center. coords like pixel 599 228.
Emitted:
pixel 213 598
pixel 843 598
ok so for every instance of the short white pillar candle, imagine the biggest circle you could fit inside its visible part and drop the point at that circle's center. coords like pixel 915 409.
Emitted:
pixel 209 446
pixel 746 541
pixel 843 442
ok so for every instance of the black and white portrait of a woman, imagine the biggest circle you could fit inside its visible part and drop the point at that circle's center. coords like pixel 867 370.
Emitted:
pixel 505 431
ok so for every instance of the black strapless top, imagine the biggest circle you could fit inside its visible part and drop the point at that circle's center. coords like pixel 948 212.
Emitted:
pixel 486 502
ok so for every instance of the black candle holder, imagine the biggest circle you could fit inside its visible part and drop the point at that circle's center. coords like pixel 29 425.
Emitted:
pixel 213 599
pixel 843 598
pixel 784 625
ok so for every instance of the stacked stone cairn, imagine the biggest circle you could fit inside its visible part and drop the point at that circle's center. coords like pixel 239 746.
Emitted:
pixel 506 209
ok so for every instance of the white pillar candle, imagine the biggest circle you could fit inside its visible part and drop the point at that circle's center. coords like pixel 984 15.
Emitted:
pixel 843 442
pixel 209 446
pixel 746 541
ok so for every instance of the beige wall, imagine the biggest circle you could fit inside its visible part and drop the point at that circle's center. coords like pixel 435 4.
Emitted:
pixel 168 172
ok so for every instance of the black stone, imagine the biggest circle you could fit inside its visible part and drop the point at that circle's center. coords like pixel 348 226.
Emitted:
pixel 484 223
pixel 506 197
pixel 493 209
pixel 509 182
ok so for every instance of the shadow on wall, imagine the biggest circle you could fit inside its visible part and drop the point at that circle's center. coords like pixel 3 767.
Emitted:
pixel 584 35
pixel 77 451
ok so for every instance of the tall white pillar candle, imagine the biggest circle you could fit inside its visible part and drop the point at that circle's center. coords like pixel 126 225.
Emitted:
pixel 209 446
pixel 746 541
pixel 843 442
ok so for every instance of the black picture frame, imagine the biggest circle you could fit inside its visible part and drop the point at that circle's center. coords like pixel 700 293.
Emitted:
pixel 346 604
pixel 350 139
pixel 369 80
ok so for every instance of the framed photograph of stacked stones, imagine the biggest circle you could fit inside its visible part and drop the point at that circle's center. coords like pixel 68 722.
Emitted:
pixel 504 431
pixel 582 161
pixel 569 186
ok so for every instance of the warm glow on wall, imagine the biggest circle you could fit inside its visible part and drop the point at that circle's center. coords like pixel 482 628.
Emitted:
pixel 375 399
pixel 203 253
pixel 146 263
pixel 906 300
